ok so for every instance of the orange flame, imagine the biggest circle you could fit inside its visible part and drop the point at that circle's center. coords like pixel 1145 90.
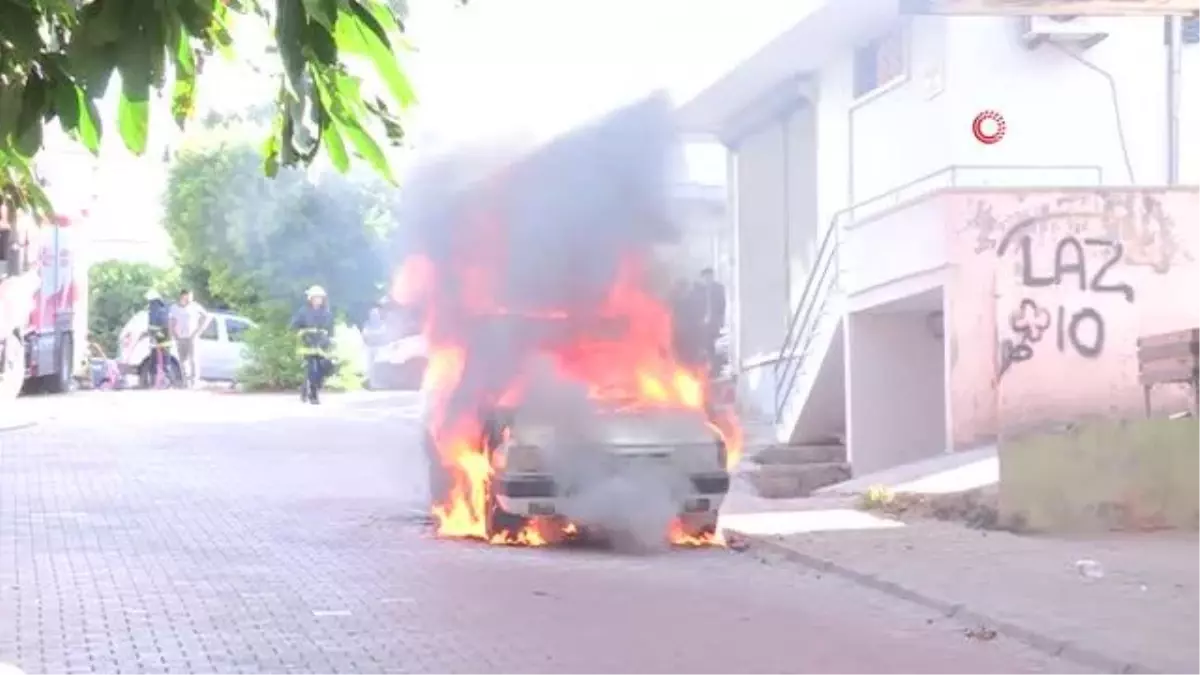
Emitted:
pixel 633 368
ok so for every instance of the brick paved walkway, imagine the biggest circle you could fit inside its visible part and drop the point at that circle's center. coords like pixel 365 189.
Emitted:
pixel 172 532
pixel 1142 613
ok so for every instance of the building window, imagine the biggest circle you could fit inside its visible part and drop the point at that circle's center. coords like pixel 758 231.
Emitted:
pixel 880 62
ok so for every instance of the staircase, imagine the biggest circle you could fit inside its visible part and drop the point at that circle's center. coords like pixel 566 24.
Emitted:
pixel 801 463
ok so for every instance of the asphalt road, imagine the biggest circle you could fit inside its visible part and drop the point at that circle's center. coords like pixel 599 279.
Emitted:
pixel 174 532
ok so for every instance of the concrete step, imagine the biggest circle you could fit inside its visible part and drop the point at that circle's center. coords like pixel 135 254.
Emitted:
pixel 815 453
pixel 788 481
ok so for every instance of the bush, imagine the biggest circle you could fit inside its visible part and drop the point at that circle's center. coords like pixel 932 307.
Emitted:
pixel 272 362
pixel 116 291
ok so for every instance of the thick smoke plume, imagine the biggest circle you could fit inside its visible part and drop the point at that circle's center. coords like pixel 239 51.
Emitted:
pixel 525 248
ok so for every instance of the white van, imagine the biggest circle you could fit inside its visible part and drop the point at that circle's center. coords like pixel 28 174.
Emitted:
pixel 219 349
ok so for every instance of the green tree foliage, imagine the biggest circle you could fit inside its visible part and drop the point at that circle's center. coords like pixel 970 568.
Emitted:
pixel 117 290
pixel 57 59
pixel 254 244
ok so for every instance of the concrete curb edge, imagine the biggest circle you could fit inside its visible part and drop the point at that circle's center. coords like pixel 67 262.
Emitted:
pixel 16 426
pixel 1033 638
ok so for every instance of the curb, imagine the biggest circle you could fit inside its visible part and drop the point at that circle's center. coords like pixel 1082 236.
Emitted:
pixel 16 425
pixel 1031 637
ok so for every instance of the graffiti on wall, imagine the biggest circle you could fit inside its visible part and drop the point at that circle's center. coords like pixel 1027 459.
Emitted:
pixel 1138 219
pixel 1084 264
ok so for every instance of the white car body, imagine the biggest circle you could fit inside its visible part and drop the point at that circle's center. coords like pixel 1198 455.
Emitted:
pixel 219 349
pixel 399 364
pixel 532 478
pixel 403 350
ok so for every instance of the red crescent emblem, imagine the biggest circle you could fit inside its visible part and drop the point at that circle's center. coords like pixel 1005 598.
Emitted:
pixel 988 134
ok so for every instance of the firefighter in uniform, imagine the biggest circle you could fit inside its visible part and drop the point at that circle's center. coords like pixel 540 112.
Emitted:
pixel 313 324
pixel 157 329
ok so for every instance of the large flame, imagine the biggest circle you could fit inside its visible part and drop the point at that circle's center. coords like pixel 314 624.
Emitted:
pixel 633 367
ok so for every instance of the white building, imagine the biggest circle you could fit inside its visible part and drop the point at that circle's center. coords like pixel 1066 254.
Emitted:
pixel 843 131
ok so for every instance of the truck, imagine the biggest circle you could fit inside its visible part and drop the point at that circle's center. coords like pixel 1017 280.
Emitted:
pixel 43 303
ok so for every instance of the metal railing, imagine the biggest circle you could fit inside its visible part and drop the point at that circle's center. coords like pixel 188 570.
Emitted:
pixel 808 309
pixel 827 268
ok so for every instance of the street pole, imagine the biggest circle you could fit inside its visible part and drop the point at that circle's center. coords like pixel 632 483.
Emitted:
pixel 1174 73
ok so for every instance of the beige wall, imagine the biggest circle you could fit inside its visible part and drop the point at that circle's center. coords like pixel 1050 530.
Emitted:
pixel 1024 348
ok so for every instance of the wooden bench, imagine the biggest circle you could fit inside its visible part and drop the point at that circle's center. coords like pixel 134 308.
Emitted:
pixel 1170 358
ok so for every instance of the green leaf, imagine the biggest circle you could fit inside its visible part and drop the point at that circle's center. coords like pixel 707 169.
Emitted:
pixel 94 66
pixel 29 142
pixel 21 30
pixel 133 119
pixel 335 147
pixel 319 45
pixel 77 114
pixel 196 15
pixel 217 32
pixel 101 23
pixel 359 32
pixel 323 12
pixel 11 101
pixel 337 93
pixel 390 21
pixel 391 125
pixel 270 153
pixel 34 104
pixel 183 95
pixel 136 66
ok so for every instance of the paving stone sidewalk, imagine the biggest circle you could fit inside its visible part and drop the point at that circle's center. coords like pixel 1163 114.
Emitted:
pixel 1139 614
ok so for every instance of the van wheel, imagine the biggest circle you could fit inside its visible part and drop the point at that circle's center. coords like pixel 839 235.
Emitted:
pixel 12 376
pixel 60 381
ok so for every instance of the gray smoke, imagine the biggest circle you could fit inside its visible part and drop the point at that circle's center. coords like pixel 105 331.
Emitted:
pixel 540 235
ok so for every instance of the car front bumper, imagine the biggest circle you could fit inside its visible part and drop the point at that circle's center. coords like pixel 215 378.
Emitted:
pixel 530 494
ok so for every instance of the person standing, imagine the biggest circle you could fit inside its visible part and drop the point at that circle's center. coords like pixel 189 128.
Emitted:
pixel 712 304
pixel 158 332
pixel 313 324
pixel 687 335
pixel 188 320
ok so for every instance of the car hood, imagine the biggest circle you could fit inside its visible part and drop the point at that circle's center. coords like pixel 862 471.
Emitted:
pixel 629 429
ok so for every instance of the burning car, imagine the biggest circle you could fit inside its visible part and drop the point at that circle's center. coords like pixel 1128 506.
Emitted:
pixel 556 444
pixel 553 392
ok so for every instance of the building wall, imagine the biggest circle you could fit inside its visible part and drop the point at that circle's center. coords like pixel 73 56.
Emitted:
pixel 800 129
pixel 777 225
pixel 896 390
pixel 901 131
pixel 899 143
pixel 1059 112
pixel 762 250
pixel 1049 292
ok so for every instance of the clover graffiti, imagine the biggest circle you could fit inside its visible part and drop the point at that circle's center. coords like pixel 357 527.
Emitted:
pixel 1028 322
